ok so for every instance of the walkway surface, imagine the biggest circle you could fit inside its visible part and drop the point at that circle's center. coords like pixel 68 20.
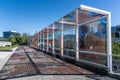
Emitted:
pixel 4 56
pixel 28 64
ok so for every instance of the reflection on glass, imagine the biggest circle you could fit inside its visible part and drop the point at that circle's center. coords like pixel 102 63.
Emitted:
pixel 65 26
pixel 57 39
pixel 100 59
pixel 41 41
pixel 92 36
pixel 45 31
pixel 57 26
pixel 57 51
pixel 69 38
pixel 71 17
pixel 85 16
pixel 50 40
pixel 70 53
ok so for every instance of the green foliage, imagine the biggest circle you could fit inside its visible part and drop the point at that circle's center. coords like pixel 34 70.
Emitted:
pixel 12 39
pixel 19 40
pixel 116 48
pixel 7 47
pixel 24 39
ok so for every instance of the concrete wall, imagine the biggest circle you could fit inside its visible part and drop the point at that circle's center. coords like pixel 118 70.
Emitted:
pixel 4 43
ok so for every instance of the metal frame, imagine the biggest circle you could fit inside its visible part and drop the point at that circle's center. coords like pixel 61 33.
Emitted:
pixel 47 40
pixel 53 40
pixel 109 49
pixel 108 28
pixel 77 38
pixel 62 40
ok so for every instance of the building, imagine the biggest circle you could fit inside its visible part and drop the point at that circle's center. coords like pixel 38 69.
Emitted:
pixel 83 35
pixel 116 33
pixel 5 43
pixel 6 34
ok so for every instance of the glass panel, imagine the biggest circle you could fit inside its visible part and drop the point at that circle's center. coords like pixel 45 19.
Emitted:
pixel 57 39
pixel 35 40
pixel 50 36
pixel 69 38
pixel 50 40
pixel 45 38
pixel 99 35
pixel 92 36
pixel 96 58
pixel 68 26
pixel 70 53
pixel 50 49
pixel 57 51
pixel 86 16
pixel 41 41
pixel 71 17
pixel 57 26
pixel 57 34
pixel 50 29
pixel 116 63
pixel 69 20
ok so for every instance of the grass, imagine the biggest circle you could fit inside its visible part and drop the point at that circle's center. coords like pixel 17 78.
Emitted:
pixel 6 47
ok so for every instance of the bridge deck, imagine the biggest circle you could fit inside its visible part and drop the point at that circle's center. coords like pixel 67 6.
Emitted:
pixel 27 61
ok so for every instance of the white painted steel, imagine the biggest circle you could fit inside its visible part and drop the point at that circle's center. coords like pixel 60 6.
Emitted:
pixel 91 9
pixel 43 41
pixel 62 39
pixel 77 37
pixel 109 42
pixel 47 39
pixel 53 39
pixel 108 28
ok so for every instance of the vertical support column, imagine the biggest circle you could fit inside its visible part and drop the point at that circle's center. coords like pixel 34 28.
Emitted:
pixel 62 39
pixel 53 38
pixel 40 41
pixel 109 43
pixel 47 39
pixel 43 40
pixel 77 37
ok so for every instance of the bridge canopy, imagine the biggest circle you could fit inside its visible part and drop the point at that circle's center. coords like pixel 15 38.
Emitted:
pixel 83 35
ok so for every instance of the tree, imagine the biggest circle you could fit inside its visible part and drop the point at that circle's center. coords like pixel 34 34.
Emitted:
pixel 24 39
pixel 12 39
pixel 18 39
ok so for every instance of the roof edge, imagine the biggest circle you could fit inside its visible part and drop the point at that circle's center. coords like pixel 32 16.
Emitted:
pixel 88 8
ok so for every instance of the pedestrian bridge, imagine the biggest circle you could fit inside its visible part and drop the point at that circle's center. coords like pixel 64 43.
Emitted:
pixel 27 62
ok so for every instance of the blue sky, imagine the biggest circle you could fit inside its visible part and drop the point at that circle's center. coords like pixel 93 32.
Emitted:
pixel 33 15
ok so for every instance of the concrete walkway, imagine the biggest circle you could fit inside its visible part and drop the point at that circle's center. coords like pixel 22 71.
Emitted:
pixel 4 56
pixel 64 77
pixel 53 77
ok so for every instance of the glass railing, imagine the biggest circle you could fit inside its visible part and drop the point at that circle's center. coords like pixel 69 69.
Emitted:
pixel 116 63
